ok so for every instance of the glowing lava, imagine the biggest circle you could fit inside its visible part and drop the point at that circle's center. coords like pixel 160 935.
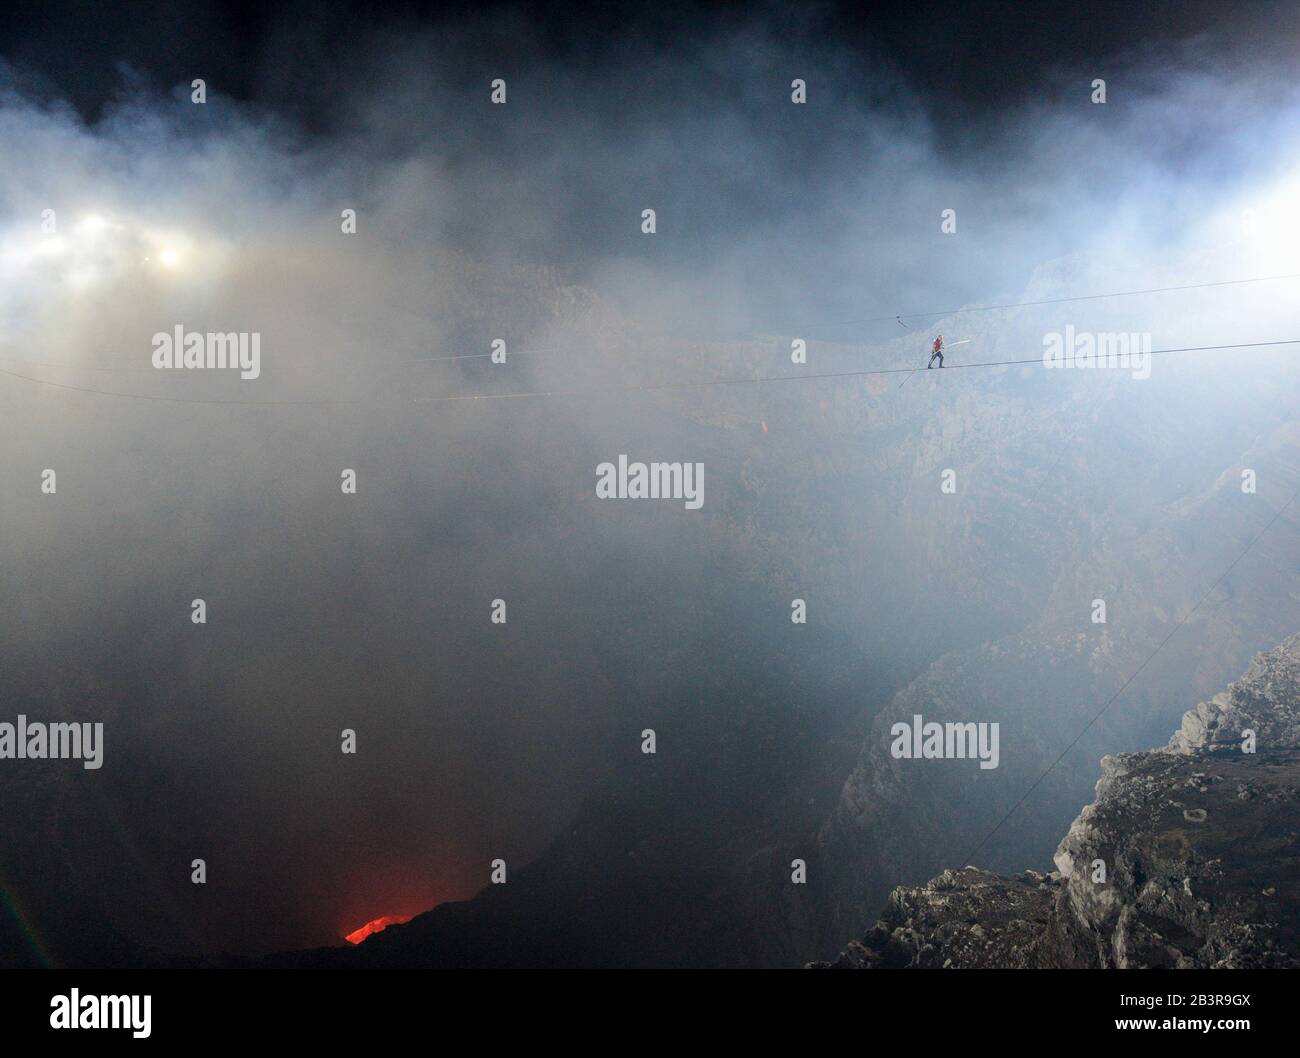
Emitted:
pixel 375 925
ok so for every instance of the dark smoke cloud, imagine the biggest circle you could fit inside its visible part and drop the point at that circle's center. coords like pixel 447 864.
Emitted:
pixel 476 222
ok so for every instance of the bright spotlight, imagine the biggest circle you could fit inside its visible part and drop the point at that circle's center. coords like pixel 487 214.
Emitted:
pixel 92 224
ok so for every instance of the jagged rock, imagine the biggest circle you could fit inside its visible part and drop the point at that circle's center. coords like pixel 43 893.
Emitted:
pixel 1188 857
pixel 1265 701
pixel 962 918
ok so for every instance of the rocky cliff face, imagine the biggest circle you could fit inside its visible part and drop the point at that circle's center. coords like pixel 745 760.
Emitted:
pixel 1189 857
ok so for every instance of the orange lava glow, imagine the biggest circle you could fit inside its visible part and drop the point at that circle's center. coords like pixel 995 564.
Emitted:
pixel 375 925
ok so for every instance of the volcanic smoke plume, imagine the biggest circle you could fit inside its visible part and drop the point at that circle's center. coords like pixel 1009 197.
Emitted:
pixel 314 340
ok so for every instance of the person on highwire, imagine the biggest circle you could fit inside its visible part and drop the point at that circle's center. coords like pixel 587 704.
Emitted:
pixel 936 353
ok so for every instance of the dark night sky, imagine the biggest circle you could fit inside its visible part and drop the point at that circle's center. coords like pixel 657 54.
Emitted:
pixel 965 59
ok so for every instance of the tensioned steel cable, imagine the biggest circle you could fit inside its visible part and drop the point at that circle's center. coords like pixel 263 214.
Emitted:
pixel 1062 301
pixel 840 323
pixel 608 390
pixel 970 856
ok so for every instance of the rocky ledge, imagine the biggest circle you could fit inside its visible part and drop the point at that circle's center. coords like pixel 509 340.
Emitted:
pixel 1189 857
